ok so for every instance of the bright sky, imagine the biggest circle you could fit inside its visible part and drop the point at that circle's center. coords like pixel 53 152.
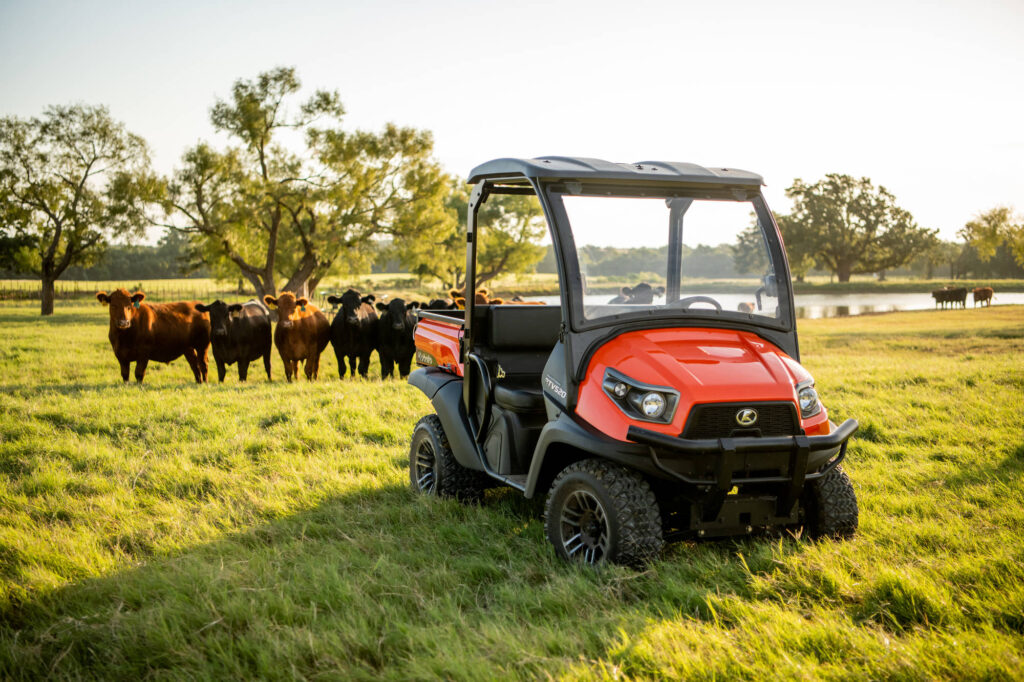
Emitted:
pixel 924 98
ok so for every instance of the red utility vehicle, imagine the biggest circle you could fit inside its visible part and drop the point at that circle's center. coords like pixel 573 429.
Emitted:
pixel 673 406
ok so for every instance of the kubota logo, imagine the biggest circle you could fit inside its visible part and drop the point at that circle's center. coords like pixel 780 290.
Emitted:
pixel 746 417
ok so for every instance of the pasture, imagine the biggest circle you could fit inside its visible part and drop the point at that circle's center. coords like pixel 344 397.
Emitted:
pixel 267 530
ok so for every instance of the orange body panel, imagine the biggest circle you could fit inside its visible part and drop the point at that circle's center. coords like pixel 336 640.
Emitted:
pixel 704 365
pixel 437 344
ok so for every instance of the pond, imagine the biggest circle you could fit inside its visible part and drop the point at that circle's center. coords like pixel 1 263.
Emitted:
pixel 814 306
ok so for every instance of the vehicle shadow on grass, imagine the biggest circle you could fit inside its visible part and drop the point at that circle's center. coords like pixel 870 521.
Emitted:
pixel 375 581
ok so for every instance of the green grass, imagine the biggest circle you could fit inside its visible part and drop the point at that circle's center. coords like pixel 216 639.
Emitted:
pixel 267 530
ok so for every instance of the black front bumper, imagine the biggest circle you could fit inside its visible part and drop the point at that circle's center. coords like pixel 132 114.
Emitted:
pixel 719 464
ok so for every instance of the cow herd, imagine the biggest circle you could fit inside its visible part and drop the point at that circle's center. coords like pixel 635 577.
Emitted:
pixel 955 296
pixel 243 333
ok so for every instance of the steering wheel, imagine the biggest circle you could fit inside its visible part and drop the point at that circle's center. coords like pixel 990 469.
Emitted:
pixel 685 303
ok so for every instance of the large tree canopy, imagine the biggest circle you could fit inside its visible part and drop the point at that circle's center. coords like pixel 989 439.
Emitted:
pixel 511 229
pixel 70 180
pixel 295 196
pixel 850 226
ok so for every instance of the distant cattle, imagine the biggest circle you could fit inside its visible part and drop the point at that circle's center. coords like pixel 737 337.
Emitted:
pixel 482 297
pixel 641 294
pixel 354 331
pixel 950 295
pixel 394 340
pixel 301 335
pixel 441 304
pixel 746 307
pixel 239 333
pixel 140 332
pixel 983 295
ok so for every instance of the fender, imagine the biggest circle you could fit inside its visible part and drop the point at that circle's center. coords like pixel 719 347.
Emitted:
pixel 563 430
pixel 445 393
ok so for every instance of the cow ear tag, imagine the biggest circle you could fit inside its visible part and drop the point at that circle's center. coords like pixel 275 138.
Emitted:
pixel 135 304
pixel 303 308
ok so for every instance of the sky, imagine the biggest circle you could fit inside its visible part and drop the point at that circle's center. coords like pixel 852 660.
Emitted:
pixel 924 98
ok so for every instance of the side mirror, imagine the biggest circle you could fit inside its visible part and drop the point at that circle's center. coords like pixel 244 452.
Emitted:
pixel 771 285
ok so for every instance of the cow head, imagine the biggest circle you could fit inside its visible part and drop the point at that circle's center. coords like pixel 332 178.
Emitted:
pixel 287 307
pixel 220 315
pixel 123 306
pixel 397 313
pixel 351 304
pixel 441 304
pixel 642 293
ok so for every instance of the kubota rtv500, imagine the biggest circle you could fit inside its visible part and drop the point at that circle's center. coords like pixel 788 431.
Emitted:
pixel 661 395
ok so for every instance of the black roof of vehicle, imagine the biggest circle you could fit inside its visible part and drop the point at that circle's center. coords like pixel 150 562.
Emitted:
pixel 576 168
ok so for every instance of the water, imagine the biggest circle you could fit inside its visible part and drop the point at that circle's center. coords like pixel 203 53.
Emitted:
pixel 814 306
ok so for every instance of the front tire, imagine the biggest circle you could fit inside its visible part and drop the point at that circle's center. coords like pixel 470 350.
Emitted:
pixel 433 469
pixel 599 512
pixel 831 506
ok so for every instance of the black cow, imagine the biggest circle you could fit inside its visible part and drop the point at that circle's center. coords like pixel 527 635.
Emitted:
pixel 442 304
pixel 394 337
pixel 354 331
pixel 641 294
pixel 240 333
pixel 950 295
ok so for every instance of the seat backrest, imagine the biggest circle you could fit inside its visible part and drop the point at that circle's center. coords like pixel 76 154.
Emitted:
pixel 522 327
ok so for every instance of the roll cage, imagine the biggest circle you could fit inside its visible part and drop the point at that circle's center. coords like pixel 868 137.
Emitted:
pixel 549 178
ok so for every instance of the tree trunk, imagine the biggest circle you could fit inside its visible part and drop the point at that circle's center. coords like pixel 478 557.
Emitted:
pixel 46 295
pixel 844 272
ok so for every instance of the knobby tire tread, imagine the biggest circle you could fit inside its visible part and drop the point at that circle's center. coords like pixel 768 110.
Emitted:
pixel 636 507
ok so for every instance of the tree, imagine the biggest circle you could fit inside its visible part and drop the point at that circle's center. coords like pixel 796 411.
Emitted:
pixel 70 181
pixel 801 243
pixel 853 226
pixel 262 210
pixel 990 230
pixel 511 227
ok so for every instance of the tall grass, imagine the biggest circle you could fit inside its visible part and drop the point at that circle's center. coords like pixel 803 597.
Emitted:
pixel 267 530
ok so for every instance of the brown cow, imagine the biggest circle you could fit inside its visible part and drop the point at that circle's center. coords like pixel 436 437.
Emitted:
pixel 983 295
pixel 140 332
pixel 302 334
pixel 746 307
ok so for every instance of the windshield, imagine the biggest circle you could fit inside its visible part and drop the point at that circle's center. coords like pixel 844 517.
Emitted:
pixel 678 256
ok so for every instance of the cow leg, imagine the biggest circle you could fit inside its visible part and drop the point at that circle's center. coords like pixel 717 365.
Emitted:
pixel 243 370
pixel 289 370
pixel 353 365
pixel 193 362
pixel 387 365
pixel 266 363
pixel 310 367
pixel 126 369
pixel 341 363
pixel 364 365
pixel 204 362
pixel 222 370
pixel 403 367
pixel 140 369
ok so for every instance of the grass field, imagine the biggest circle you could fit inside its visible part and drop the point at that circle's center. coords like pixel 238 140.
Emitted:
pixel 267 530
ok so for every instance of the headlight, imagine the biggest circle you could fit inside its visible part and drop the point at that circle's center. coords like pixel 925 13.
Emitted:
pixel 638 400
pixel 808 399
pixel 653 405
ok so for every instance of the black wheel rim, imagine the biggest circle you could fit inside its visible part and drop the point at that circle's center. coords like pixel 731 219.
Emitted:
pixel 426 480
pixel 584 527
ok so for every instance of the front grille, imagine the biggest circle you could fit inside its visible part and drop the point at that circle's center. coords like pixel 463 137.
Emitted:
pixel 718 420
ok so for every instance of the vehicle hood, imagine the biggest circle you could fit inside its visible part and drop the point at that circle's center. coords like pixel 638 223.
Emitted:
pixel 705 365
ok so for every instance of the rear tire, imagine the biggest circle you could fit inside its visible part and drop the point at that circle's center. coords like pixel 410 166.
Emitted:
pixel 831 506
pixel 599 512
pixel 433 469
